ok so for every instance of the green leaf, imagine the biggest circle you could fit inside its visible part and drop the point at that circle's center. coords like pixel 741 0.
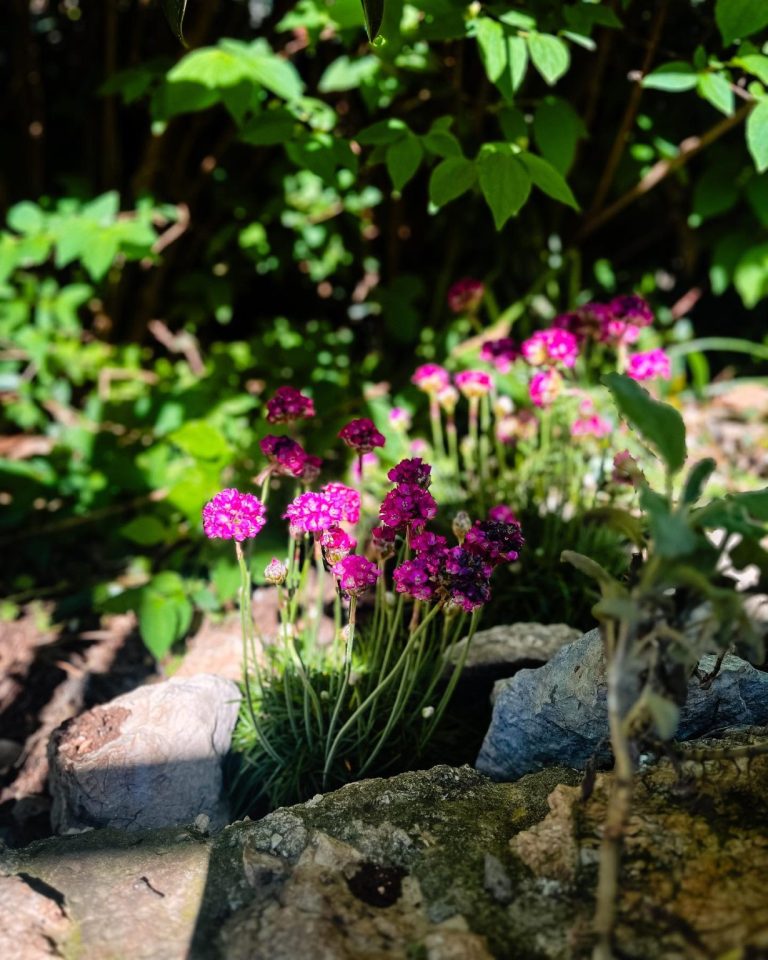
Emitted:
pixel 594 570
pixel 440 141
pixel 757 135
pixel 373 11
pixel 739 19
pixel 385 131
pixel 158 622
pixel 755 503
pixel 505 182
pixel 492 41
pixel 513 125
pixel 146 531
pixel 557 129
pixel 672 536
pixel 451 178
pixel 672 77
pixel 665 714
pixel 750 275
pixel 549 55
pixel 174 13
pixel 754 63
pixel 623 522
pixel 659 424
pixel 209 67
pixel 344 73
pixel 200 440
pixel 517 55
pixel 716 89
pixel 403 159
pixel 547 179
pixel 696 480
pixel 26 218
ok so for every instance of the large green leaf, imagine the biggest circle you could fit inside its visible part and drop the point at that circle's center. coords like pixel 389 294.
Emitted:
pixel 672 536
pixel 757 135
pixel 739 19
pixel 403 159
pixel 549 180
pixel 557 129
pixel 659 424
pixel 373 10
pixel 715 88
pixel 451 178
pixel 549 55
pixel 504 180
pixel 672 77
pixel 174 12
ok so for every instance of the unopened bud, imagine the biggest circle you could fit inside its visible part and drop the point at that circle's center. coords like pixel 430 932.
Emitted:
pixel 275 572
pixel 427 712
pixel 462 524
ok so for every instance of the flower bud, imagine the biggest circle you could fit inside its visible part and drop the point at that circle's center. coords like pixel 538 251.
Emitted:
pixel 462 524
pixel 275 572
pixel 428 712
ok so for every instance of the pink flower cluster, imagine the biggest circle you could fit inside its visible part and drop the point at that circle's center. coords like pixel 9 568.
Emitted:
pixel 649 365
pixel 361 435
pixel 617 322
pixel 289 404
pixel 502 353
pixel 465 295
pixel 591 426
pixel 336 544
pixel 355 574
pixel 313 512
pixel 545 387
pixel 474 383
pixel 551 346
pixel 431 378
pixel 232 515
pixel 289 458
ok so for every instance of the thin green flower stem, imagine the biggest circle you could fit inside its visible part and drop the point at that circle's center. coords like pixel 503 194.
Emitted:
pixel 445 647
pixel 332 745
pixel 379 689
pixel 453 443
pixel 448 692
pixel 319 585
pixel 474 453
pixel 436 423
pixel 264 495
pixel 246 617
pixel 485 446
pixel 310 696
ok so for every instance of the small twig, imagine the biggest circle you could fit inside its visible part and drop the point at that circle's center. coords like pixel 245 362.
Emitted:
pixel 660 171
pixel 174 231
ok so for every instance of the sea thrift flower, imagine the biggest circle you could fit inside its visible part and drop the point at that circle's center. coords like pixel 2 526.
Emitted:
pixel 462 524
pixel 289 404
pixel 494 541
pixel 545 387
pixel 467 579
pixel 345 499
pixel 414 578
pixel 466 295
pixel 474 383
pixel 632 308
pixel 649 365
pixel 586 322
pixel 336 544
pixel 287 456
pixel 502 353
pixel 411 471
pixel 232 515
pixel 408 505
pixel 355 574
pixel 428 542
pixel 400 419
pixel 448 397
pixel 592 426
pixel 313 512
pixel 431 377
pixel 626 469
pixel 501 513
pixel 275 572
pixel 361 435
pixel 551 346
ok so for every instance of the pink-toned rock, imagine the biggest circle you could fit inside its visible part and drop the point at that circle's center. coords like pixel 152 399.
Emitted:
pixel 34 927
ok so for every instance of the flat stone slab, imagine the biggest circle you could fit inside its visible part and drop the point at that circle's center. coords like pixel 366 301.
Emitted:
pixel 512 646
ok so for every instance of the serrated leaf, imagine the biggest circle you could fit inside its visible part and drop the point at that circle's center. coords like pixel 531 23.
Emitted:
pixel 739 19
pixel 549 55
pixel 403 159
pixel 174 13
pixel 716 89
pixel 659 424
pixel 547 179
pixel 757 135
pixel 672 77
pixel 505 182
pixel 451 178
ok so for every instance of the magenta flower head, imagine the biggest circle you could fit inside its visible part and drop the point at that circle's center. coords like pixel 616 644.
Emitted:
pixel 287 456
pixel 232 515
pixel 626 469
pixel 649 365
pixel 361 435
pixel 289 404
pixel 336 544
pixel 587 322
pixel 431 377
pixel 633 309
pixel 415 579
pixel 466 295
pixel 411 471
pixel 344 499
pixel 355 574
pixel 501 513
pixel 474 383
pixel 591 426
pixel 551 346
pixel 545 387
pixel 495 542
pixel 408 505
pixel 501 353
pixel 467 579
pixel 312 513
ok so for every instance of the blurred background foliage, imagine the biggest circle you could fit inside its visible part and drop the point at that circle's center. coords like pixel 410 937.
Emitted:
pixel 281 201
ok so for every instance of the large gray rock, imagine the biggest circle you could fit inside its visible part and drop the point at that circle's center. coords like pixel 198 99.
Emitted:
pixel 557 714
pixel 150 758
pixel 502 650
pixel 441 865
